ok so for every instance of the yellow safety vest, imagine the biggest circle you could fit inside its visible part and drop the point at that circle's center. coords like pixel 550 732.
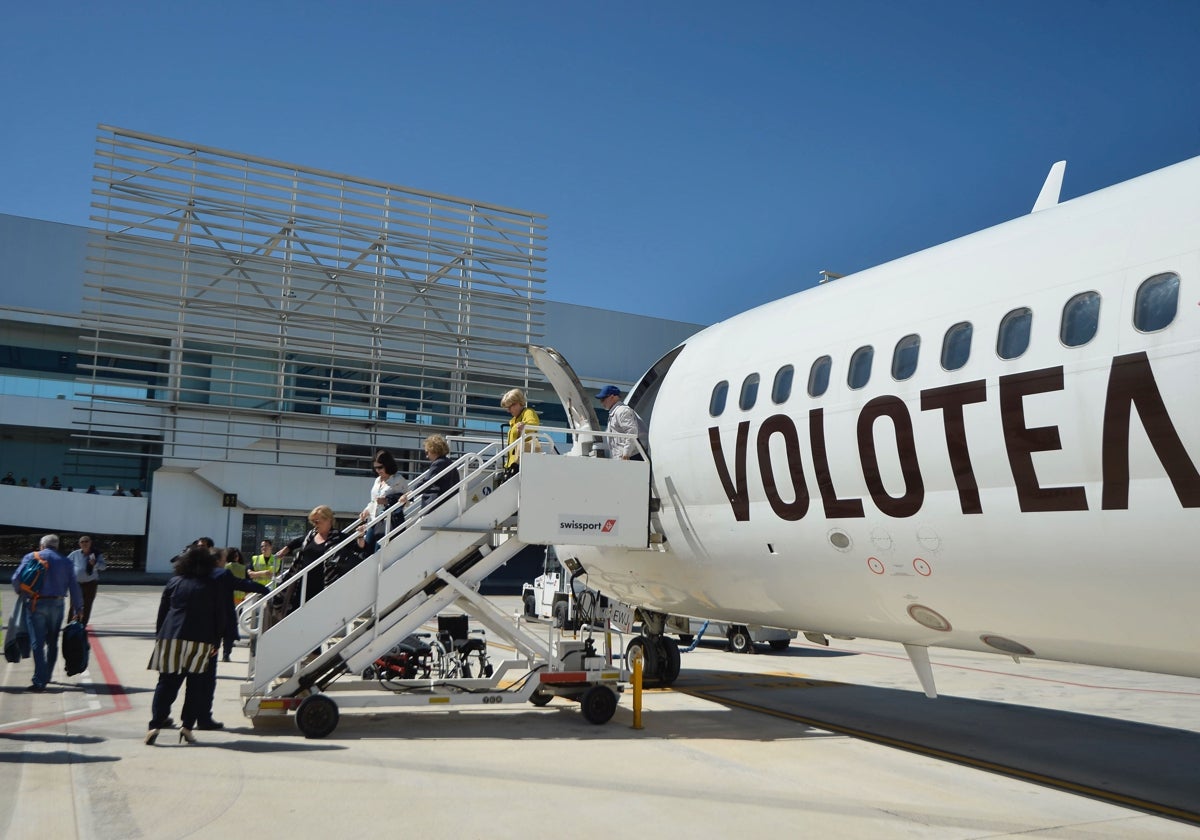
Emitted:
pixel 238 570
pixel 262 563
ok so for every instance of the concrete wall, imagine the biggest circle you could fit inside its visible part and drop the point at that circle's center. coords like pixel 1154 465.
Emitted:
pixel 42 264
pixel 191 502
pixel 605 346
pixel 58 510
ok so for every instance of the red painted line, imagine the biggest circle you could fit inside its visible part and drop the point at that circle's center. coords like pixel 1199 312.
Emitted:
pixel 121 702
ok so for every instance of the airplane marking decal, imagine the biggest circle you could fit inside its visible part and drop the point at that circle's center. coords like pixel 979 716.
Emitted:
pixel 1131 385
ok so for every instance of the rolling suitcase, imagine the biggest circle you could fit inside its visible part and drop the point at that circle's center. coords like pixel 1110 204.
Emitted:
pixel 75 648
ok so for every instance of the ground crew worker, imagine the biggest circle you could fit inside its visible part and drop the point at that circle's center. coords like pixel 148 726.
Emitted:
pixel 265 567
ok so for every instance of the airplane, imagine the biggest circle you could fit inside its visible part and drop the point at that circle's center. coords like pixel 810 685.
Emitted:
pixel 990 445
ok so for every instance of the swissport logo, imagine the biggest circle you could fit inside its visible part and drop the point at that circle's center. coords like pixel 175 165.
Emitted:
pixel 574 524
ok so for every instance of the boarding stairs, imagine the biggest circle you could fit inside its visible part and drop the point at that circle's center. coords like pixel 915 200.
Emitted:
pixel 437 557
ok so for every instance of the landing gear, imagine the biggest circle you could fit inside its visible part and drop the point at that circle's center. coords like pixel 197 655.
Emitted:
pixel 739 639
pixel 562 615
pixel 530 605
pixel 649 654
pixel 660 659
pixel 669 652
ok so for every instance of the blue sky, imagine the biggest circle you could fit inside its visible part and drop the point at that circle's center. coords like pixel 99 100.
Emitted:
pixel 694 158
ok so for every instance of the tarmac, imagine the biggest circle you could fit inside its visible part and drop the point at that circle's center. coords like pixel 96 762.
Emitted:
pixel 810 742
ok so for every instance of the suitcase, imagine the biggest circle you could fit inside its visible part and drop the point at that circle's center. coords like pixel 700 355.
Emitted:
pixel 75 648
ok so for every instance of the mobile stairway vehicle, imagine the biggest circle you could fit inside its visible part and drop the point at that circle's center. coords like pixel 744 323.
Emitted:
pixel 435 560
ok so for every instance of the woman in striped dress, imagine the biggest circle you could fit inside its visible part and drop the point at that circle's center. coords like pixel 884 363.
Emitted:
pixel 191 618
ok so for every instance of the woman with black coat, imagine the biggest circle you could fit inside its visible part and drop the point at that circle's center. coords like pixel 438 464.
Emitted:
pixel 306 550
pixel 432 487
pixel 191 622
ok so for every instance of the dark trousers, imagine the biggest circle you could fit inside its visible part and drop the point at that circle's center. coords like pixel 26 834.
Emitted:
pixel 193 698
pixel 208 689
pixel 89 595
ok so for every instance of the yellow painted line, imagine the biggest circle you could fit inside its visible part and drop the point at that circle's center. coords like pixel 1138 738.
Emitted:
pixel 933 752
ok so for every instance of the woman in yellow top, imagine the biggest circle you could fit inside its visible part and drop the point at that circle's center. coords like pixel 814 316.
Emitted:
pixel 524 424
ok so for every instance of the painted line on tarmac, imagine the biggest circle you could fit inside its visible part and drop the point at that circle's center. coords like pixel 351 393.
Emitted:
pixel 1008 674
pixel 1112 797
pixel 121 702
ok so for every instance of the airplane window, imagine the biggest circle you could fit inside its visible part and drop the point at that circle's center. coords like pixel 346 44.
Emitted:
pixel 1013 339
pixel 818 376
pixel 716 403
pixel 1080 318
pixel 749 394
pixel 860 367
pixel 956 346
pixel 782 389
pixel 904 358
pixel 1156 303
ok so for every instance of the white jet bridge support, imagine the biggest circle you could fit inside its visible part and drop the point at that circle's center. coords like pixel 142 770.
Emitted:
pixel 436 558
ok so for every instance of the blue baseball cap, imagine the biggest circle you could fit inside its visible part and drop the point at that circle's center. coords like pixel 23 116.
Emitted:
pixel 608 391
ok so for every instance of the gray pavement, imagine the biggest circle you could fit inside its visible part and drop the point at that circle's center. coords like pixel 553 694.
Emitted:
pixel 811 742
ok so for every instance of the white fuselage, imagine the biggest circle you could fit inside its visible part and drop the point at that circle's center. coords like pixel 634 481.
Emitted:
pixel 1044 505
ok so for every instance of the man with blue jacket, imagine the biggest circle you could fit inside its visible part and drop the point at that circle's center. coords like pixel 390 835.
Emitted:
pixel 44 613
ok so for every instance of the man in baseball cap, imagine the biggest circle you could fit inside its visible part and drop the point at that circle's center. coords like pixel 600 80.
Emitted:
pixel 623 419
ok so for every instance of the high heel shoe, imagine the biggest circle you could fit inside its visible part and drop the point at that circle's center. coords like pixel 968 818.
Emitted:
pixel 151 736
pixel 185 734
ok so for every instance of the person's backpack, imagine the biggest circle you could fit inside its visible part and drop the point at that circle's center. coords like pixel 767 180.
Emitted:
pixel 32 576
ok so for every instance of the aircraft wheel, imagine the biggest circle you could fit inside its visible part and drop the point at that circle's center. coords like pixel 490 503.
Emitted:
pixel 668 650
pixel 598 703
pixel 739 639
pixel 560 615
pixel 651 661
pixel 780 644
pixel 317 716
pixel 530 606
pixel 540 698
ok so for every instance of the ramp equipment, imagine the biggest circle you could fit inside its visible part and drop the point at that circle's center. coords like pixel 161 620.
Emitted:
pixel 347 639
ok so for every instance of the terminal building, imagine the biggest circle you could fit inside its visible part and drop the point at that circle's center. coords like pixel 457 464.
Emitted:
pixel 232 338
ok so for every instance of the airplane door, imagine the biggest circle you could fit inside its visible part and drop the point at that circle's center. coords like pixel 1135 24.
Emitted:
pixel 644 394
pixel 581 415
pixel 577 401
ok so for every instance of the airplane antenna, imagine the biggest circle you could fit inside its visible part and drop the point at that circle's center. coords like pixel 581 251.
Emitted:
pixel 826 276
pixel 1048 197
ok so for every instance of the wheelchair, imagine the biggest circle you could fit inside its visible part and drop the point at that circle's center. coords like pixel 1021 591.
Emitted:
pixel 456 645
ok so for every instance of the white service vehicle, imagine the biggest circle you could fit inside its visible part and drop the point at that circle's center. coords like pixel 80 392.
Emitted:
pixel 741 637
pixel 550 597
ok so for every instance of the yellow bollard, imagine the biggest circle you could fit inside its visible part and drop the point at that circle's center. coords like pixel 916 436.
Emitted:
pixel 637 688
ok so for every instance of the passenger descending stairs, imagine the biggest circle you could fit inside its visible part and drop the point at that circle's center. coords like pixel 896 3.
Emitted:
pixel 439 555
pixel 391 594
